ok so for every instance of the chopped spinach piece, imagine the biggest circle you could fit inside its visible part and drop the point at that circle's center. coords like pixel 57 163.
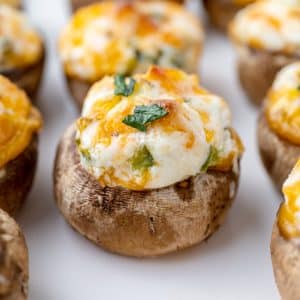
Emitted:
pixel 140 56
pixel 86 154
pixel 124 86
pixel 77 141
pixel 211 159
pixel 177 62
pixel 142 159
pixel 157 57
pixel 144 115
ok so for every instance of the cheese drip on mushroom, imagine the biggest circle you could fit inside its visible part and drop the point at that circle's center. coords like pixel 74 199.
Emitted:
pixel 19 121
pixel 283 104
pixel 289 213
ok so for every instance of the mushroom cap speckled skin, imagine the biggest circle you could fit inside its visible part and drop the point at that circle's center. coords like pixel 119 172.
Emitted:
pixel 257 70
pixel 14 260
pixel 278 155
pixel 16 178
pixel 140 223
pixel 286 265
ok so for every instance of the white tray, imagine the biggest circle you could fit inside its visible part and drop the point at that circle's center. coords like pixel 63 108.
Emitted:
pixel 234 264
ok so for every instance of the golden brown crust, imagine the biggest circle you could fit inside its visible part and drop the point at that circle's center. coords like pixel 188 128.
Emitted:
pixel 76 4
pixel 27 78
pixel 286 265
pixel 221 12
pixel 257 70
pixel 147 223
pixel 278 155
pixel 13 260
pixel 16 179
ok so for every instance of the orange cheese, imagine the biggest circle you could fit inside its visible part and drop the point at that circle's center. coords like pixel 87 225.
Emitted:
pixel 20 44
pixel 270 25
pixel 112 37
pixel 19 121
pixel 180 142
pixel 282 105
pixel 289 213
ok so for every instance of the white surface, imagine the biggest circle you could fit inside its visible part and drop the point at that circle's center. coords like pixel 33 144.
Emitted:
pixel 234 264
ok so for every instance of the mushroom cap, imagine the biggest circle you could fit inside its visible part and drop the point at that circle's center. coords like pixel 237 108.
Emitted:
pixel 140 223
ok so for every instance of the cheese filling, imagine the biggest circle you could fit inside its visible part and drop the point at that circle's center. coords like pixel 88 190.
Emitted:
pixel 162 129
pixel 271 25
pixel 19 121
pixel 283 104
pixel 289 213
pixel 111 37
pixel 20 45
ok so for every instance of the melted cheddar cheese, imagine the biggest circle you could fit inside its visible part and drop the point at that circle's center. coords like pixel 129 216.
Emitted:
pixel 271 25
pixel 195 131
pixel 20 45
pixel 12 3
pixel 19 121
pixel 289 212
pixel 116 37
pixel 283 104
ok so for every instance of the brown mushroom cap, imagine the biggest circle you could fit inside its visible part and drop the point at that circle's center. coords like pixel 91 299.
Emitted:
pixel 221 12
pixel 78 89
pixel 257 70
pixel 13 260
pixel 278 155
pixel 286 265
pixel 16 178
pixel 76 4
pixel 146 223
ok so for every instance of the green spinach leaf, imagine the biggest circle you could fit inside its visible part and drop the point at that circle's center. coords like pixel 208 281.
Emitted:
pixel 142 159
pixel 211 159
pixel 143 115
pixel 124 86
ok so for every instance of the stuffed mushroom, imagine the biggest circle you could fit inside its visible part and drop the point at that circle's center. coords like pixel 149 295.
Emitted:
pixel 221 12
pixel 285 247
pixel 152 165
pixel 19 125
pixel 21 50
pixel 14 260
pixel 127 37
pixel 266 36
pixel 76 4
pixel 279 125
